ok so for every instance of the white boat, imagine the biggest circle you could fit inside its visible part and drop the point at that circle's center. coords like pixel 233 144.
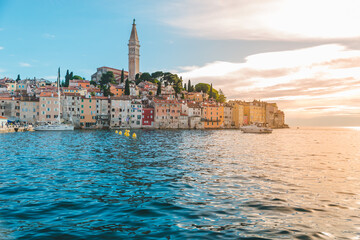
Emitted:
pixel 59 126
pixel 256 128
pixel 55 127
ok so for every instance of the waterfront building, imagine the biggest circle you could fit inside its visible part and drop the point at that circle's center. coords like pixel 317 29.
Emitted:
pixel 237 113
pixel 279 119
pixel 167 113
pixel 102 111
pixel 212 115
pixel 49 107
pixel 134 53
pixel 148 117
pixel 120 112
pixel 87 113
pixel 29 109
pixel 228 119
pixel 10 107
pixel 136 113
pixel 183 121
pixel 257 112
pixel 70 108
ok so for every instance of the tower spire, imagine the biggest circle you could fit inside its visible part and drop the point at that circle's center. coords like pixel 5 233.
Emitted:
pixel 134 52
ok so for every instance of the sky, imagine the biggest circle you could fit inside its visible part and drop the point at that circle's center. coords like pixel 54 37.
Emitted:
pixel 303 55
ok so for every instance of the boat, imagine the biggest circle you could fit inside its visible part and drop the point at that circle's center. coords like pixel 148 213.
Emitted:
pixel 256 128
pixel 58 126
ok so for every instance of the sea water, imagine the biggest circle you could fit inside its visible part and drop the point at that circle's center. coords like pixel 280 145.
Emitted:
pixel 181 184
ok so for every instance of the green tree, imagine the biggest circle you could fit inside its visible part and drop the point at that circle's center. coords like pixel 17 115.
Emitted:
pixel 211 92
pixel 93 83
pixel 67 79
pixel 71 76
pixel 77 77
pixel 189 86
pixel 221 97
pixel 127 87
pixel 158 92
pixel 122 76
pixel 105 81
pixel 157 74
pixel 145 76
pixel 204 87
pixel 18 78
pixel 185 86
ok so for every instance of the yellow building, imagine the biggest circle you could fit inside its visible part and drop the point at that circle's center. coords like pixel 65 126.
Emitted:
pixel 257 112
pixel 237 116
pixel 87 112
pixel 194 96
pixel 212 115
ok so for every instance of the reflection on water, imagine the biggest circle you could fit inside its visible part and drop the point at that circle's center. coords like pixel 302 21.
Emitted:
pixel 293 183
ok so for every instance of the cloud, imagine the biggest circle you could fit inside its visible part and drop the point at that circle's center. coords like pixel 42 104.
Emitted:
pixel 23 64
pixel 2 70
pixel 1 48
pixel 306 83
pixel 48 36
pixel 265 19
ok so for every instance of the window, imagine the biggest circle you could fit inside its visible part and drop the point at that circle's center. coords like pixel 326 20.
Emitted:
pixel 82 111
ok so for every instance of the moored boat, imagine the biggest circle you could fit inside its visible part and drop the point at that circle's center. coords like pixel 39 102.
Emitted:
pixel 256 128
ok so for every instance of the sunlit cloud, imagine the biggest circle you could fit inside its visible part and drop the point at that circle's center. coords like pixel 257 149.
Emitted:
pixel 1 48
pixel 314 81
pixel 266 20
pixel 24 64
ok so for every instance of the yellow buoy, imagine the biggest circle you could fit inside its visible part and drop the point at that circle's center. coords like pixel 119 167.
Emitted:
pixel 116 131
pixel 134 135
pixel 120 132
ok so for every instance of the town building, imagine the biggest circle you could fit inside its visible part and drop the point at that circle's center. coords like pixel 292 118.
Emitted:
pixel 136 113
pixel 102 111
pixel 87 113
pixel 10 107
pixel 49 107
pixel 212 115
pixel 120 112
pixel 148 117
pixel 167 113
pixel 29 110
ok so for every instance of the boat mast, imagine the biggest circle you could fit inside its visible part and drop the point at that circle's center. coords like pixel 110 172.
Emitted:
pixel 58 85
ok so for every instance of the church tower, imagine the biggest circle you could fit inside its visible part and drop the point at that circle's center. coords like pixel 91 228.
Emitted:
pixel 134 53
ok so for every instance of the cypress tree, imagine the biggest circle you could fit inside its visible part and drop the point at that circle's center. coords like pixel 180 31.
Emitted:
pixel 189 86
pixel 210 92
pixel 185 86
pixel 122 75
pixel 158 92
pixel 18 78
pixel 127 87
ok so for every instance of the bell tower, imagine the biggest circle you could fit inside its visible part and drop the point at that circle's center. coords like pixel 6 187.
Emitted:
pixel 134 53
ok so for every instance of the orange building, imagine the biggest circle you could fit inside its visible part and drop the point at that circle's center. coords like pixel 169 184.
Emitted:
pixel 117 90
pixel 79 83
pixel 212 115
pixel 87 112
